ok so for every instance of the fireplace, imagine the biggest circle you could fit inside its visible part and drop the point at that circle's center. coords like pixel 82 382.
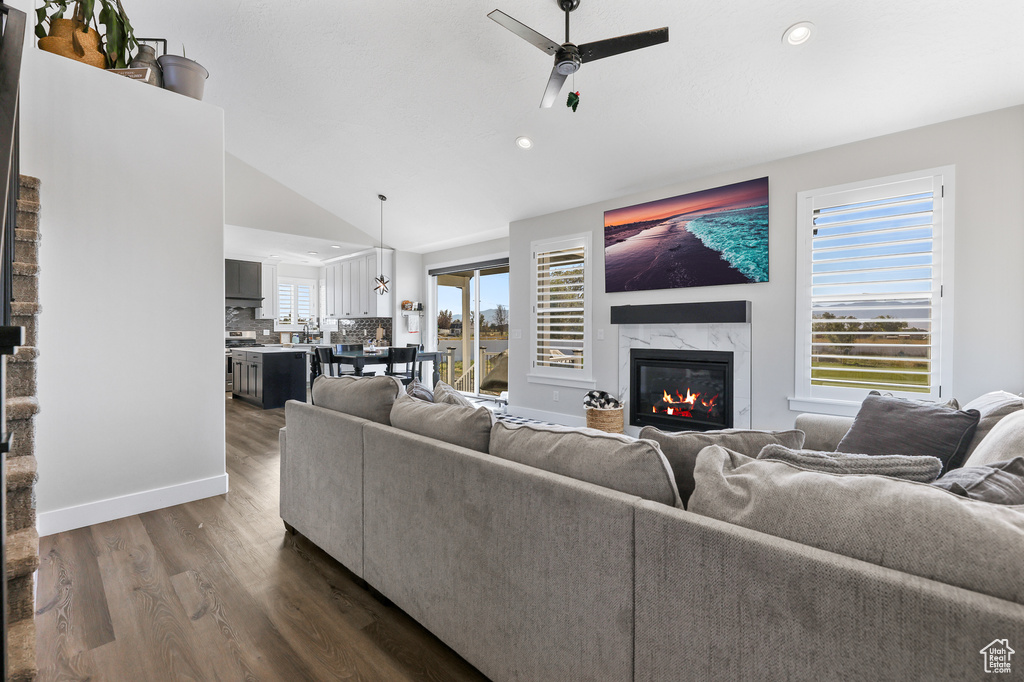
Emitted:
pixel 681 390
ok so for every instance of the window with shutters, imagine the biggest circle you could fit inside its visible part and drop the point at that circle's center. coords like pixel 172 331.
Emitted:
pixel 874 288
pixel 296 304
pixel 560 320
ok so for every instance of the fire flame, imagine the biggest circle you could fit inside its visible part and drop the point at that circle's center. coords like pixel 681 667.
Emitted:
pixel 679 405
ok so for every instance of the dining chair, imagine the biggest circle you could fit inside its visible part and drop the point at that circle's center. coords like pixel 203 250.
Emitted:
pixel 402 356
pixel 326 357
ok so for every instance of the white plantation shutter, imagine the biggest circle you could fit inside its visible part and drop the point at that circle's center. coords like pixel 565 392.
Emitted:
pixel 296 300
pixel 870 301
pixel 560 321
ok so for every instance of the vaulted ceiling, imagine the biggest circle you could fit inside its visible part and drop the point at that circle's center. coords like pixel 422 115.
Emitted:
pixel 422 101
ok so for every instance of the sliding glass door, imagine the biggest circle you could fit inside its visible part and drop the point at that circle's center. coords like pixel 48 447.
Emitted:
pixel 472 328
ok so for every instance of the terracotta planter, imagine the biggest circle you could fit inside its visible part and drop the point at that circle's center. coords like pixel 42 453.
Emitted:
pixel 68 40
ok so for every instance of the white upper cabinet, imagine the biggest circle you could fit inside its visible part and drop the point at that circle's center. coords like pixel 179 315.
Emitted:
pixel 350 285
pixel 269 283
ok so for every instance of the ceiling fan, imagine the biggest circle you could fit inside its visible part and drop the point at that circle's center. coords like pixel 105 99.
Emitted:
pixel 569 57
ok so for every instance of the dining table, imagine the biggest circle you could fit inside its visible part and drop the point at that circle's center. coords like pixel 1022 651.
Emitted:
pixel 359 359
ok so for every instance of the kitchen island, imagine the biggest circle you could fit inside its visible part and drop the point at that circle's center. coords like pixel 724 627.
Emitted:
pixel 268 376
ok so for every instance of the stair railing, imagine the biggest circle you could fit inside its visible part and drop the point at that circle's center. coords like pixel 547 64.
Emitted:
pixel 12 43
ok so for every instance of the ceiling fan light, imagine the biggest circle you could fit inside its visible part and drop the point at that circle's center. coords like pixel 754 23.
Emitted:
pixel 798 33
pixel 524 142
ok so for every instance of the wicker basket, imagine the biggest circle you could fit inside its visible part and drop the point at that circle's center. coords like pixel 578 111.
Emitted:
pixel 609 420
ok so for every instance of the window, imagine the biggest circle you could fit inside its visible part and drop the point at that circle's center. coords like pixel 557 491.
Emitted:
pixel 561 323
pixel 296 303
pixel 874 288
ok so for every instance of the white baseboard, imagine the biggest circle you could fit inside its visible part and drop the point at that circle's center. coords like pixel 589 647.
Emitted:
pixel 553 417
pixel 101 511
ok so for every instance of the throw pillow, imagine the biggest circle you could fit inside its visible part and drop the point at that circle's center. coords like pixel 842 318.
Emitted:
pixel 635 467
pixel 681 448
pixel 999 482
pixel 465 426
pixel 1003 442
pixel 881 520
pixel 993 407
pixel 443 393
pixel 923 469
pixel 418 390
pixel 894 426
pixel 367 397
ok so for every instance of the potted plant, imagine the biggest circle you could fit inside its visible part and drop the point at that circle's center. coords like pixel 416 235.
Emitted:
pixel 74 38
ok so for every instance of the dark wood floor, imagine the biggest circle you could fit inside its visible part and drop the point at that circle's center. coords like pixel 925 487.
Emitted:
pixel 216 590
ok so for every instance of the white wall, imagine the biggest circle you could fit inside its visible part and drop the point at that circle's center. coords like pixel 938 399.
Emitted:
pixel 988 152
pixel 131 364
pixel 408 286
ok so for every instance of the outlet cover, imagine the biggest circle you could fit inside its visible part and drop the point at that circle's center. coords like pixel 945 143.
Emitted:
pixel 266 332
pixel 554 396
pixel 600 334
pixel 517 333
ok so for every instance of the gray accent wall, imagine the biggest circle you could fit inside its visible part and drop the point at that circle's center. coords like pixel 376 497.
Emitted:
pixel 988 152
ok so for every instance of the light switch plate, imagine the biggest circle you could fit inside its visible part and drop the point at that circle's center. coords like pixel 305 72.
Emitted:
pixel 266 332
pixel 517 333
pixel 600 334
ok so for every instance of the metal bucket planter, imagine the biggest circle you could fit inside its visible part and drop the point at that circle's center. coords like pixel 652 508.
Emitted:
pixel 183 76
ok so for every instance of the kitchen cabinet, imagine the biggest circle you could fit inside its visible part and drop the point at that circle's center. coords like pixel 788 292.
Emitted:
pixel 350 286
pixel 268 379
pixel 243 284
pixel 269 294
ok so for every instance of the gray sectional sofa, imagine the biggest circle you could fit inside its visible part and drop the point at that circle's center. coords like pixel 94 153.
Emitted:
pixel 534 575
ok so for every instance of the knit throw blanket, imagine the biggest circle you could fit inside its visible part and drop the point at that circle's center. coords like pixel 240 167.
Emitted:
pixel 912 468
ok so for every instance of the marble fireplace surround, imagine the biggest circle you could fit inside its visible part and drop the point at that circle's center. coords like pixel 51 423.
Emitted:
pixel 689 327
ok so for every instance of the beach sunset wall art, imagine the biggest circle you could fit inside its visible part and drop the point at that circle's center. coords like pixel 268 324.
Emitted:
pixel 715 236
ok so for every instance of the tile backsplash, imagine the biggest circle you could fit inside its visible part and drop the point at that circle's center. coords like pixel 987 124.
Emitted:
pixel 244 320
pixel 361 329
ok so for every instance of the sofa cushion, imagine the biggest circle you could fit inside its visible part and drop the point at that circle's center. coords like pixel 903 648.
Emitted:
pixel 681 448
pixel 1005 441
pixel 894 426
pixel 443 393
pixel 635 467
pixel 912 468
pixel 912 527
pixel 992 407
pixel 455 424
pixel 367 397
pixel 418 389
pixel 998 483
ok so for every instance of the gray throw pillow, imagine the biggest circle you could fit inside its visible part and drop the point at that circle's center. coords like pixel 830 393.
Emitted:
pixel 443 393
pixel 367 397
pixel 418 390
pixel 993 407
pixel 999 482
pixel 911 527
pixel 465 426
pixel 635 467
pixel 1004 441
pixel 681 448
pixel 922 469
pixel 894 426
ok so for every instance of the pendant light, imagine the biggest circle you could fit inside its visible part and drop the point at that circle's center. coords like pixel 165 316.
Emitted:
pixel 381 280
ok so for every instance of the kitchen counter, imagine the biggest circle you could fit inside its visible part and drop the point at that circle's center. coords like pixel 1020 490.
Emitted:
pixel 273 349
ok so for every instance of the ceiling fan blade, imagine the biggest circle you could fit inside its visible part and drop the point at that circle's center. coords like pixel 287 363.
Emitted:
pixel 613 46
pixel 554 86
pixel 525 32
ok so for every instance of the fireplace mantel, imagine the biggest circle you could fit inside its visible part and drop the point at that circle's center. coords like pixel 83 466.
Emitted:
pixel 711 312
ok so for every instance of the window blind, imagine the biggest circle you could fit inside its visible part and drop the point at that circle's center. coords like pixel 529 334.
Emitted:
pixel 874 287
pixel 559 307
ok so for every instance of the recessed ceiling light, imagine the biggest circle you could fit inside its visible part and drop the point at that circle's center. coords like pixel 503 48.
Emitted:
pixel 274 255
pixel 335 246
pixel 524 142
pixel 311 253
pixel 798 34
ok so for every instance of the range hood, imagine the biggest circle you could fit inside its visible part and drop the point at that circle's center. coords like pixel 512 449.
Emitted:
pixel 243 302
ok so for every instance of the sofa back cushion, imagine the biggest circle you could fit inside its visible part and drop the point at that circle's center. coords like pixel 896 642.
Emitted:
pixel 999 482
pixel 635 467
pixel 992 407
pixel 367 397
pixel 894 426
pixel 912 527
pixel 1003 442
pixel 466 426
pixel 681 448
pixel 443 393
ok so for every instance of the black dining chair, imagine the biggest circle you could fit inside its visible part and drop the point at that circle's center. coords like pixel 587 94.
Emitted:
pixel 326 357
pixel 402 356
